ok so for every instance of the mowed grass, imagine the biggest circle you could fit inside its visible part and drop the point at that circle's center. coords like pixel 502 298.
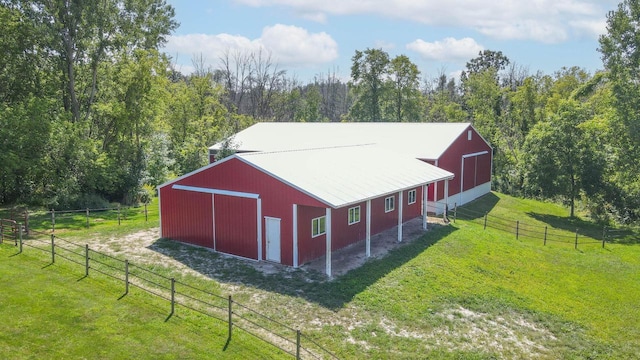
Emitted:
pixel 586 300
pixel 458 292
pixel 52 312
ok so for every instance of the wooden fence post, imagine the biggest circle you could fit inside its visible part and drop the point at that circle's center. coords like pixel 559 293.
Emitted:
pixel 86 259
pixel 173 295
pixel 576 244
pixel 53 249
pixel 53 220
pixel 20 237
pixel 298 344
pixel 545 235
pixel 230 318
pixel 517 229
pixel 126 278
pixel 118 215
pixel 604 235
pixel 87 210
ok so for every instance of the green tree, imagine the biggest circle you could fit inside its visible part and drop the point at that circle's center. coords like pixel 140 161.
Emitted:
pixel 406 99
pixel 486 59
pixel 27 106
pixel 369 72
pixel 560 159
pixel 443 101
pixel 620 48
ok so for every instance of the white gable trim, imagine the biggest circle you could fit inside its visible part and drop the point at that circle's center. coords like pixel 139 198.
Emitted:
pixel 217 191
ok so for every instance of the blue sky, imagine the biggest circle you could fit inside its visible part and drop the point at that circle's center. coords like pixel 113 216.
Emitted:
pixel 311 37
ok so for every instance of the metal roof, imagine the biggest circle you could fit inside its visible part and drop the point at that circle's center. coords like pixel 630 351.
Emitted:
pixel 419 140
pixel 342 176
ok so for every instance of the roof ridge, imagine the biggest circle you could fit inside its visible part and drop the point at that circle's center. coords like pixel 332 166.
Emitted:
pixel 253 153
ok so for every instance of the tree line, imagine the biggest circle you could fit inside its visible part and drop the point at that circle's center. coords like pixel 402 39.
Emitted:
pixel 91 111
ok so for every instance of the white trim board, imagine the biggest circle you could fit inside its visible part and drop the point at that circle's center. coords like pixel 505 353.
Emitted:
pixel 216 191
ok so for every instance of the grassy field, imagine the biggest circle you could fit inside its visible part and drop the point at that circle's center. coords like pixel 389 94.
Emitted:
pixel 458 292
pixel 50 312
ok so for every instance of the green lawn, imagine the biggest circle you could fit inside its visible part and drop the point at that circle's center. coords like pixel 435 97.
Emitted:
pixel 458 292
pixel 52 312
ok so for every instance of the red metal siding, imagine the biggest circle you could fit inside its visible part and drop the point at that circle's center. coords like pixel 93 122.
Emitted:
pixel 380 220
pixel 236 229
pixel 344 234
pixel 469 175
pixel 410 211
pixel 235 175
pixel 309 248
pixel 451 160
pixel 187 216
pixel 484 169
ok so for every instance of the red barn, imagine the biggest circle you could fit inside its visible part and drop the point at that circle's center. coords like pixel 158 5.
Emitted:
pixel 291 207
pixel 455 147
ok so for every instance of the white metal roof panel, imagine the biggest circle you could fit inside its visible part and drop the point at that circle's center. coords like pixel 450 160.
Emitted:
pixel 341 176
pixel 419 140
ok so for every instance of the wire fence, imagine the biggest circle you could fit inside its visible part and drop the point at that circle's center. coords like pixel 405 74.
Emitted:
pixel 544 234
pixel 179 293
pixel 74 219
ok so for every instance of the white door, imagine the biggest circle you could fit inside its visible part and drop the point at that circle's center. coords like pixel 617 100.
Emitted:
pixel 272 230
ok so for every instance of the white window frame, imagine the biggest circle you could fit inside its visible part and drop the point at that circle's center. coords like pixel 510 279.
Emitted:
pixel 316 228
pixel 354 219
pixel 411 197
pixel 469 135
pixel 389 204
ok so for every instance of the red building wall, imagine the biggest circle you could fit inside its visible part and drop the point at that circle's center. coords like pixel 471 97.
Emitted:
pixel 188 216
pixel 451 160
pixel 309 247
pixel 343 234
pixel 236 226
pixel 234 175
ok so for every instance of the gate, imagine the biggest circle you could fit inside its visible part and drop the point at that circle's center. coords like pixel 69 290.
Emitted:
pixel 9 230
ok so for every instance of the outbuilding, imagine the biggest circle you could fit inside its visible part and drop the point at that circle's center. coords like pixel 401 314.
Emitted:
pixel 293 206
pixel 455 147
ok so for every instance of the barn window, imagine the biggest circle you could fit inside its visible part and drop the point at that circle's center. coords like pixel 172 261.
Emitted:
pixel 469 134
pixel 318 226
pixel 354 215
pixel 411 198
pixel 389 204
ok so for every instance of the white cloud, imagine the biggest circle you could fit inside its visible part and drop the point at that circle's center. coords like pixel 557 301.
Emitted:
pixel 292 45
pixel 289 46
pixel 449 49
pixel 590 28
pixel 548 21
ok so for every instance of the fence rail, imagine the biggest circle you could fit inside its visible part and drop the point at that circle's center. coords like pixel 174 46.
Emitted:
pixel 53 219
pixel 224 309
pixel 535 232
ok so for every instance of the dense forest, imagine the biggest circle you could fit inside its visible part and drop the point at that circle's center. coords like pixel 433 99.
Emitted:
pixel 91 110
